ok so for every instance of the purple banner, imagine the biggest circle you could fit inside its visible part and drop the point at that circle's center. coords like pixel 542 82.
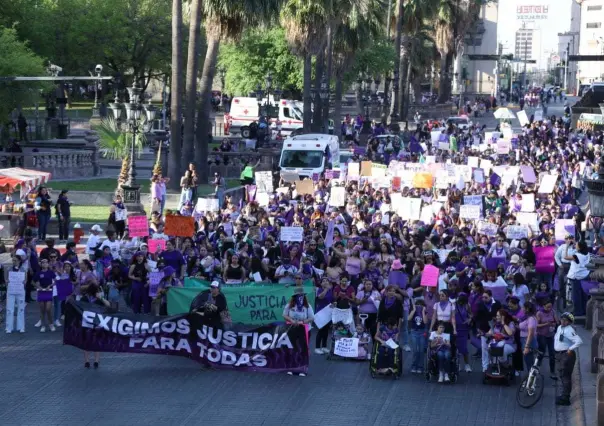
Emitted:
pixel 360 150
pixel 332 174
pixel 270 348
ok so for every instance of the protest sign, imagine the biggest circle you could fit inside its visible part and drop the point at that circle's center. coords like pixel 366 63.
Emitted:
pixel 156 245
pixel 396 183
pixel 366 167
pixel 266 348
pixel 323 317
pixel 544 259
pixel 378 170
pixel 262 198
pixel 179 226
pixel 528 219
pixel 473 161
pixel 353 169
pixel 503 147
pixel 468 211
pixel 495 179
pixel 347 347
pixel 138 226
pixel 486 228
pixel 522 117
pixel 486 165
pixel 564 227
pixel 304 187
pixel 474 200
pixel 478 175
pixel 443 145
pixel 338 196
pixel 332 174
pixel 422 180
pixel 528 203
pixel 121 214
pixel 516 232
pixel 253 303
pixel 538 115
pixel 251 192
pixel 528 174
pixel 207 205
pixel 415 206
pixel 264 181
pixel 16 283
pixel 154 280
pixel 430 276
pixel 292 233
pixel 548 183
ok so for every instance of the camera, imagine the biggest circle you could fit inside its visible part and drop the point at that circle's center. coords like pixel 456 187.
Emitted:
pixel 98 69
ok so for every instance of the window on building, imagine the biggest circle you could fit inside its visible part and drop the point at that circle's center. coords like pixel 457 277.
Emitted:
pixel 595 7
pixel 594 25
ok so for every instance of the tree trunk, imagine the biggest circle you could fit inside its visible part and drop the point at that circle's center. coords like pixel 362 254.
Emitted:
pixel 359 93
pixel 317 114
pixel 394 112
pixel 205 107
pixel 387 96
pixel 407 83
pixel 444 91
pixel 403 68
pixel 329 71
pixel 416 84
pixel 307 111
pixel 337 108
pixel 191 81
pixel 174 163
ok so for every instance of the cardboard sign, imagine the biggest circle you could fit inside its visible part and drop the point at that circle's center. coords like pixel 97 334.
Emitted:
pixel 121 214
pixel 564 227
pixel 138 226
pixel 304 187
pixel 378 170
pixel 528 203
pixel 468 211
pixel 503 147
pixel 522 117
pixel 538 116
pixel 292 233
pixel 478 175
pixel 16 283
pixel 179 226
pixel 423 180
pixel 430 276
pixel 337 196
pixel 207 205
pixel 548 183
pixel 444 146
pixel 473 161
pixel 528 174
pixel 353 169
pixel 332 174
pixel 528 219
pixel 366 167
pixel 486 165
pixel 488 229
pixel 264 181
pixel 516 232
pixel 154 281
pixel 347 347
pixel 156 245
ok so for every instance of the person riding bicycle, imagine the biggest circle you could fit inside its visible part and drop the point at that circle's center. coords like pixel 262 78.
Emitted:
pixel 566 342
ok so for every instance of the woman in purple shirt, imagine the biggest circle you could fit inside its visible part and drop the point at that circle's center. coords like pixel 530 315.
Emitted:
pixel 528 334
pixel 44 281
pixel 546 330
pixel 323 299
pixel 368 299
pixel 173 258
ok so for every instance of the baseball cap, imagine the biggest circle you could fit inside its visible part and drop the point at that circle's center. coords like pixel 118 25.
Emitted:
pixel 215 284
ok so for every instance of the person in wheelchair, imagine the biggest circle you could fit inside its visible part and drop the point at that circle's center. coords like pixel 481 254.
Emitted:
pixel 440 347
pixel 501 335
pixel 385 359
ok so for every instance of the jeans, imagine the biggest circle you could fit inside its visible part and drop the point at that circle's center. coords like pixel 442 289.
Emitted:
pixel 529 359
pixel 11 300
pixel 405 329
pixel 43 220
pixel 418 346
pixel 544 342
pixel 162 205
pixel 507 351
pixel 220 196
pixel 566 365
pixel 63 227
pixel 186 195
pixel 579 298
pixel 322 335
pixel 56 305
pixel 444 360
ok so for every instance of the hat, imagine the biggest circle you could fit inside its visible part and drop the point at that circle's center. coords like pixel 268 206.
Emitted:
pixel 396 265
pixel 299 290
pixel 168 270
pixel 215 284
pixel 77 226
pixel 515 259
pixel 96 228
pixel 20 253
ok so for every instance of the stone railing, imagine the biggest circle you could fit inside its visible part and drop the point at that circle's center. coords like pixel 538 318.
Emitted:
pixel 261 160
pixel 63 164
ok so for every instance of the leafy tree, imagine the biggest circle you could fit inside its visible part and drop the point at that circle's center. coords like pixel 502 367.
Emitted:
pixel 257 54
pixel 17 59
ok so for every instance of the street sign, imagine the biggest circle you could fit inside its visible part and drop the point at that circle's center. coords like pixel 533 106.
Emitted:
pixel 585 58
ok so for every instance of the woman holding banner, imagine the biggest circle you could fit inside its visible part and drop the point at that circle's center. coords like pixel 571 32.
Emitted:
pixel 138 274
pixel 91 296
pixel 298 312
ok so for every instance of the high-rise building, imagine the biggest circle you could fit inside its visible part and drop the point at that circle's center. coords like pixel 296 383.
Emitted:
pixel 591 40
pixel 528 45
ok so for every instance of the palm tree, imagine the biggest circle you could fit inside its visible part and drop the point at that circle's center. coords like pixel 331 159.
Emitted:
pixel 400 10
pixel 224 19
pixel 174 161
pixel 195 41
pixel 305 23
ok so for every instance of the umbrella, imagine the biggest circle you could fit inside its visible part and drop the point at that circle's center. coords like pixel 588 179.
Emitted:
pixel 504 114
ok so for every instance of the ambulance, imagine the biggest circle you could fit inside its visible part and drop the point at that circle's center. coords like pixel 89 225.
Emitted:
pixel 305 155
pixel 245 111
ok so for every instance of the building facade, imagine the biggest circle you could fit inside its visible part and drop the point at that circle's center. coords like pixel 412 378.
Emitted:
pixel 591 41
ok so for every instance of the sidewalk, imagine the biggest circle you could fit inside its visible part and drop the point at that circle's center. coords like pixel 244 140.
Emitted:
pixel 582 411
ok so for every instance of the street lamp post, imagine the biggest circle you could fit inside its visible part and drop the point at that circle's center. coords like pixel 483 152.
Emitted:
pixel 324 95
pixel 222 75
pixel 95 109
pixel 266 93
pixel 134 109
pixel 595 191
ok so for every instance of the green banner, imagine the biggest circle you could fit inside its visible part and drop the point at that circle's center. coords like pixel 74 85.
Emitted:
pixel 253 304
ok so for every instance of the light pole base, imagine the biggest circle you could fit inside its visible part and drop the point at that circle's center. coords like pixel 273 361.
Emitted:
pixel 132 200
pixel 96 113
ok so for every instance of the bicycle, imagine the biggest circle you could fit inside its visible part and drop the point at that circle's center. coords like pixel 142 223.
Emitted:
pixel 531 387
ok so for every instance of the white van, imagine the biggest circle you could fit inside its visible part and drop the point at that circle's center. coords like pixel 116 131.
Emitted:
pixel 306 155
pixel 244 111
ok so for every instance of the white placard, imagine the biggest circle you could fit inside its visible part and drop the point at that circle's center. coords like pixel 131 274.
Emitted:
pixel 121 214
pixel 378 170
pixel 486 165
pixel 391 344
pixel 207 205
pixel 528 203
pixel 516 232
pixel 264 182
pixel 347 347
pixel 444 146
pixel 522 118
pixel 292 233
pixel 262 198
pixel 323 317
pixel 538 116
pixel 528 219
pixel 16 283
pixel 337 196
pixel 257 277
pixel 468 211
pixel 473 161
pixel 354 169
pixel 435 136
pixel 548 183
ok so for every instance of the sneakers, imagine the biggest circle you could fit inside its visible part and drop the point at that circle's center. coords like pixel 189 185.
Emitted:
pixel 414 370
pixel 38 324
pixel 52 327
pixel 441 377
pixel 319 351
pixel 302 375
pixel 58 323
pixel 468 368
pixel 407 348
pixel 290 373
pixel 562 401
pixel 8 331
pixel 325 350
pixel 22 330
pixel 447 379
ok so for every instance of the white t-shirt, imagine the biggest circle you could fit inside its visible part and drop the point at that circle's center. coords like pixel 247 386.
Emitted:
pixel 93 241
pixel 445 336
pixel 114 246
pixel 520 292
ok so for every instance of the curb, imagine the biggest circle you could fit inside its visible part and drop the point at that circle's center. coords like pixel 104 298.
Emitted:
pixel 575 414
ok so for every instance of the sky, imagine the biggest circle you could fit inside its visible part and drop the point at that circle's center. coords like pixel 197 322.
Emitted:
pixel 558 20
